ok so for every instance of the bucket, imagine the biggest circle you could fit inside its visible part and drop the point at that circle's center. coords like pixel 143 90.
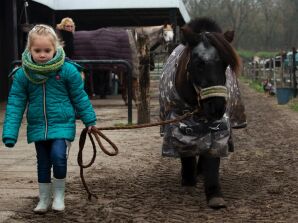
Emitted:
pixel 284 95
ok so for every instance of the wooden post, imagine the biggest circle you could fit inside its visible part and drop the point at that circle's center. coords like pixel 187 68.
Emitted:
pixel 282 67
pixel 294 72
pixel 144 80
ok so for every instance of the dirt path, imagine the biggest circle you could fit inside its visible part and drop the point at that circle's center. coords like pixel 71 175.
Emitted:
pixel 259 180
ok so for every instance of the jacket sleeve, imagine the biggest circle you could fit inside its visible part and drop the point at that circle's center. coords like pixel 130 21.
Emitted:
pixel 79 97
pixel 16 105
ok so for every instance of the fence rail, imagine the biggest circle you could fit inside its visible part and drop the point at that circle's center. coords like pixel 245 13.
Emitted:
pixel 281 76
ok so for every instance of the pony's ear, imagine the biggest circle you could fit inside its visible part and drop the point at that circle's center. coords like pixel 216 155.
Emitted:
pixel 229 35
pixel 188 36
pixel 168 26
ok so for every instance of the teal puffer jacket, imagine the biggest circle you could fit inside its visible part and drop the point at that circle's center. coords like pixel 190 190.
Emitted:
pixel 50 106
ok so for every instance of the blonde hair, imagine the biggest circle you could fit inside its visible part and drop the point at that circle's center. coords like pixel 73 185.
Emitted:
pixel 43 30
pixel 63 22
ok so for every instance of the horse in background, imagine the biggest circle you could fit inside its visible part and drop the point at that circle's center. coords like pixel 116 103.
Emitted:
pixel 163 34
pixel 118 44
pixel 145 37
pixel 194 80
pixel 157 36
pixel 107 44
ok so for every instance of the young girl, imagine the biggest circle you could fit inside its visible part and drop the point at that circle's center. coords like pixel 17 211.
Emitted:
pixel 51 88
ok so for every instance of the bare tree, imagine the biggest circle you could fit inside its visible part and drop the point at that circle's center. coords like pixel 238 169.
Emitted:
pixel 238 14
pixel 259 24
pixel 270 19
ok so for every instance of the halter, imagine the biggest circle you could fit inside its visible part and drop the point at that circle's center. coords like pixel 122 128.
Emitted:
pixel 202 93
pixel 208 92
pixel 213 91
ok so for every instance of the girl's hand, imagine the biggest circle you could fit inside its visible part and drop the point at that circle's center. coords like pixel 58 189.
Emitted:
pixel 90 128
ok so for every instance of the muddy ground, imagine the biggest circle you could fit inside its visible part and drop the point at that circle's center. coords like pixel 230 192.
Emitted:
pixel 259 180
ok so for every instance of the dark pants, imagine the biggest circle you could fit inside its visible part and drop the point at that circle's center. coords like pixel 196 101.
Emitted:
pixel 51 153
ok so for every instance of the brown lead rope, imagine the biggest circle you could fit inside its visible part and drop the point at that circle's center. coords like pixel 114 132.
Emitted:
pixel 97 134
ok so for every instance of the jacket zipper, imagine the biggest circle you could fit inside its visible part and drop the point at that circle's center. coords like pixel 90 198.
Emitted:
pixel 44 110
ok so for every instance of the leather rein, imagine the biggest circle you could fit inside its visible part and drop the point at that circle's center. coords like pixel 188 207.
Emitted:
pixel 96 132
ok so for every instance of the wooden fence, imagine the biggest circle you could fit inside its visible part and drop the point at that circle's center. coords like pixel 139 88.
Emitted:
pixel 275 70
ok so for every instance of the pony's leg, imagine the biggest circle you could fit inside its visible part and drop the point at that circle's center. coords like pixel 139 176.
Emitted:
pixel 123 87
pixel 231 143
pixel 152 63
pixel 200 166
pixel 135 91
pixel 188 171
pixel 91 84
pixel 103 84
pixel 211 182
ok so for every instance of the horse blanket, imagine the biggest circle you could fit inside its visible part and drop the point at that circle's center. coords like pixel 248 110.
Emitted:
pixel 193 135
pixel 104 44
pixel 235 107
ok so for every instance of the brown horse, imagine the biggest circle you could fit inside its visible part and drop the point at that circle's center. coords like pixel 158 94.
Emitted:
pixel 118 44
pixel 194 80
pixel 143 40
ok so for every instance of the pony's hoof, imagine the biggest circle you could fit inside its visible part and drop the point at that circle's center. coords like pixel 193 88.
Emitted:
pixel 239 125
pixel 188 183
pixel 217 203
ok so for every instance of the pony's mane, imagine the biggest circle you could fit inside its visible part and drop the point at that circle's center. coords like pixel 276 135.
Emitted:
pixel 210 29
pixel 226 51
pixel 204 24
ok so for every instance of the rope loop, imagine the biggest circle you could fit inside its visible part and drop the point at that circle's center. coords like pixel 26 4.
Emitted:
pixel 96 132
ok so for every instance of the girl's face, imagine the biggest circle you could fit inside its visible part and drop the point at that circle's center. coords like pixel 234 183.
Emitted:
pixel 42 49
pixel 69 27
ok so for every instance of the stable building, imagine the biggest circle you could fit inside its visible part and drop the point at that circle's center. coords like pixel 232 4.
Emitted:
pixel 17 16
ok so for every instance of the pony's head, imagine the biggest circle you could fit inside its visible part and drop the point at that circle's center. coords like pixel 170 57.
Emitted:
pixel 210 55
pixel 168 33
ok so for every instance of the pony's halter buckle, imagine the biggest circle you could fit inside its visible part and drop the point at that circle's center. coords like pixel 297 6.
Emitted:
pixel 213 91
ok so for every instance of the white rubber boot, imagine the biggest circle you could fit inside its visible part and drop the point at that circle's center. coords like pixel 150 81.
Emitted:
pixel 45 196
pixel 58 192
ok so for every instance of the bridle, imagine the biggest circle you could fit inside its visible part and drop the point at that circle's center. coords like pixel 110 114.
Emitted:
pixel 208 92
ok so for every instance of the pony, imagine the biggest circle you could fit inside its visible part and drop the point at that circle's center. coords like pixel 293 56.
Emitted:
pixel 118 43
pixel 193 83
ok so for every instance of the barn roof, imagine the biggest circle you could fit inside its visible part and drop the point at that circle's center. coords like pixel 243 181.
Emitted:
pixel 145 10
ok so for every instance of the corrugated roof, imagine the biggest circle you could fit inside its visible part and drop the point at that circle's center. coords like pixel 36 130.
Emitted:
pixel 116 4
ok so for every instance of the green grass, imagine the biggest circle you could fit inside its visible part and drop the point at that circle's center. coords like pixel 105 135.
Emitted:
pixel 248 55
pixel 265 54
pixel 293 104
pixel 256 85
